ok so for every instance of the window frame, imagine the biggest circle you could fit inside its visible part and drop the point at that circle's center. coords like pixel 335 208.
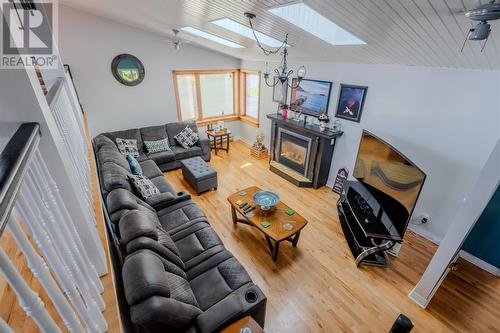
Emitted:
pixel 243 96
pixel 236 93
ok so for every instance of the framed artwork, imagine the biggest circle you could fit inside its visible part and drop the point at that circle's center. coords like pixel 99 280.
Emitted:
pixel 311 97
pixel 280 91
pixel 351 101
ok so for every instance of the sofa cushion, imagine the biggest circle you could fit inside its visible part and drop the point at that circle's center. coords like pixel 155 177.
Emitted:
pixel 150 169
pixel 160 314
pixel 157 146
pixel 181 153
pixel 153 133
pixel 175 128
pixel 179 216
pixel 163 185
pixel 111 154
pixel 120 200
pixel 197 242
pixel 127 146
pixel 223 279
pixel 162 157
pixel 102 141
pixel 144 276
pixel 132 133
pixel 187 137
pixel 135 167
pixel 114 176
pixel 144 186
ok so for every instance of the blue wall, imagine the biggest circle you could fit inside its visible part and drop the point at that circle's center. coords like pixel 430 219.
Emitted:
pixel 484 240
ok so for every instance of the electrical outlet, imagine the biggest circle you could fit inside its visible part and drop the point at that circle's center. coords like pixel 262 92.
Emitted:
pixel 424 218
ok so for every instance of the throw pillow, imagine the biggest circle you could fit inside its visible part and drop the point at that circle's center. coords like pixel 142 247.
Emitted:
pixel 135 167
pixel 157 146
pixel 144 186
pixel 127 146
pixel 187 137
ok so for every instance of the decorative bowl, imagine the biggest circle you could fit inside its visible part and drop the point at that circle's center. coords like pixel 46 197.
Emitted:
pixel 266 199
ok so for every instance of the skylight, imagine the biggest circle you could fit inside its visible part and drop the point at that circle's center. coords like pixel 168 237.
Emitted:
pixel 211 37
pixel 245 31
pixel 314 23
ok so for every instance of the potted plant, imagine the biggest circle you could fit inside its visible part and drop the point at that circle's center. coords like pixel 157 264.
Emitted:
pixel 284 111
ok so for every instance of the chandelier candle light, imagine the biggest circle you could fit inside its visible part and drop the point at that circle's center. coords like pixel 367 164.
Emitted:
pixel 284 75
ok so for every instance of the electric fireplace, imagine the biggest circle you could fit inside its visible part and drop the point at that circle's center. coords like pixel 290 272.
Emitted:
pixel 301 152
pixel 294 150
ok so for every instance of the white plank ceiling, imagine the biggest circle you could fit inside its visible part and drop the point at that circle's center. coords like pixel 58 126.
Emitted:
pixel 405 32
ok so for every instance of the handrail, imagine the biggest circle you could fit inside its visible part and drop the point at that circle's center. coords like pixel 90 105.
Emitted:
pixel 14 162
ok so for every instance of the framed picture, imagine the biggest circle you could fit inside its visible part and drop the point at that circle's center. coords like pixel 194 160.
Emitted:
pixel 280 91
pixel 311 97
pixel 351 101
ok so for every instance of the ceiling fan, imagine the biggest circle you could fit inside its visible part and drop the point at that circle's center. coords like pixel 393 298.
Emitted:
pixel 483 14
pixel 176 41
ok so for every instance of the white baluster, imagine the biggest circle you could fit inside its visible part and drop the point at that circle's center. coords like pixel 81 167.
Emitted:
pixel 4 328
pixel 27 298
pixel 90 295
pixel 42 273
pixel 56 205
pixel 54 191
pixel 93 321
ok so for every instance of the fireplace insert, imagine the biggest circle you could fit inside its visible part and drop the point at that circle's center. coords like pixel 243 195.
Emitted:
pixel 293 151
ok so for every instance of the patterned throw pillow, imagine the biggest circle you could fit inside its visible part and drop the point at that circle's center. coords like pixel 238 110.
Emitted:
pixel 157 146
pixel 187 137
pixel 127 146
pixel 144 186
pixel 135 167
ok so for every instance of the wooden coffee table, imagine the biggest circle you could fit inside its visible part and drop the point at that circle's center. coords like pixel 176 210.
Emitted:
pixel 240 325
pixel 277 216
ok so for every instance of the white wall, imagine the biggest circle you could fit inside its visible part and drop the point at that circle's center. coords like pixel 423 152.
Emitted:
pixel 88 43
pixel 447 121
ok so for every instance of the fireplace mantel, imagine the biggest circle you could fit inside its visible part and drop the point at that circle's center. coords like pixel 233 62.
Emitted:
pixel 319 156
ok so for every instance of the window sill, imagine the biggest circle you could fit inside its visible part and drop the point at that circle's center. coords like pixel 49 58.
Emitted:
pixel 251 121
pixel 216 119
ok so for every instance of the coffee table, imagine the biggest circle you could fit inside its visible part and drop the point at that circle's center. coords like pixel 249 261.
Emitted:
pixel 240 325
pixel 277 216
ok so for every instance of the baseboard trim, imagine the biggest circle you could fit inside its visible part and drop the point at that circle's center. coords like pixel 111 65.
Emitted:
pixel 420 300
pixel 479 263
pixel 423 233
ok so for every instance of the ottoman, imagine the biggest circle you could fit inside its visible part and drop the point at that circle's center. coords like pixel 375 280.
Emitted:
pixel 199 174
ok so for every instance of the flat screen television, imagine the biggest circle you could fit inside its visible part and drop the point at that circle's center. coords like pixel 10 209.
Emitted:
pixel 311 97
pixel 390 177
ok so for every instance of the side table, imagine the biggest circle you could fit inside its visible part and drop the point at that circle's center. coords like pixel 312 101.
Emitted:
pixel 217 140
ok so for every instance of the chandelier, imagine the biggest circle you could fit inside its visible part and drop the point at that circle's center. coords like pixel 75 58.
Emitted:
pixel 283 73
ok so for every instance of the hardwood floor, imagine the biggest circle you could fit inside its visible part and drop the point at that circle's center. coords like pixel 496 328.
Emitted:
pixel 316 287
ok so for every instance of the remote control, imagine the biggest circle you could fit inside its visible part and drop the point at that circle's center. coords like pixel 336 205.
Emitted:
pixel 249 209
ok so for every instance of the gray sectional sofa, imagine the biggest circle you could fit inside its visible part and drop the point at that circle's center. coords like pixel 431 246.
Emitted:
pixel 177 275
pixel 166 160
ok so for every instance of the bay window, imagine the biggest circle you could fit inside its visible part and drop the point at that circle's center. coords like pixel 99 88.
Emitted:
pixel 211 95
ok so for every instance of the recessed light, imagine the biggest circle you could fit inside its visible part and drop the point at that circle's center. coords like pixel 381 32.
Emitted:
pixel 314 23
pixel 211 37
pixel 245 31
